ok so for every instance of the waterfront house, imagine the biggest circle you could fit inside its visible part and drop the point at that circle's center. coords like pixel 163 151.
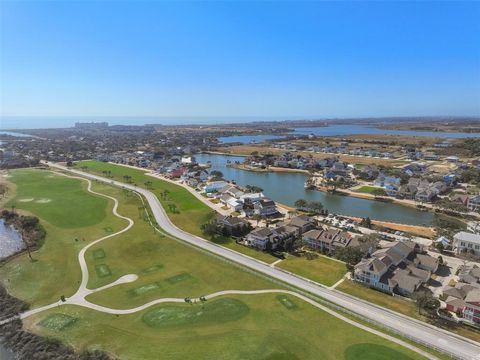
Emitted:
pixel 303 223
pixel 214 186
pixel 426 194
pixel 265 207
pixel 369 172
pixel 464 242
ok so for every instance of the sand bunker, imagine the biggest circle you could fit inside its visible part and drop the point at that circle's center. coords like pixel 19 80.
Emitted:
pixel 25 200
pixel 43 201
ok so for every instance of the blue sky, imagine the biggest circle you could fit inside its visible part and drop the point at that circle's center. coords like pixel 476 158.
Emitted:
pixel 324 59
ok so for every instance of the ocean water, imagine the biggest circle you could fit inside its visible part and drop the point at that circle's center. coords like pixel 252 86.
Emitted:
pixel 44 122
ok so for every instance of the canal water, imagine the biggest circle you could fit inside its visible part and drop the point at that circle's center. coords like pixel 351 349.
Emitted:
pixel 344 130
pixel 286 188
pixel 6 354
pixel 10 240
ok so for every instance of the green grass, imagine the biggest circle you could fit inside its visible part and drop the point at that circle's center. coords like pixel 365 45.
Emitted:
pixel 373 352
pixel 394 303
pixel 179 278
pixel 57 322
pixel 153 268
pixel 192 213
pixel 400 305
pixel 235 328
pixel 322 269
pixel 217 311
pixel 99 254
pixel 55 271
pixel 67 207
pixel 367 189
pixel 263 332
pixel 287 302
pixel 146 288
pixel 102 270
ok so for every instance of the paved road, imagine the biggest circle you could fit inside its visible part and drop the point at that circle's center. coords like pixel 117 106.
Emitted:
pixel 423 333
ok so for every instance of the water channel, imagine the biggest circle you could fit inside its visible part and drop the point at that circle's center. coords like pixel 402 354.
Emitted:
pixel 286 188
pixel 344 130
pixel 10 240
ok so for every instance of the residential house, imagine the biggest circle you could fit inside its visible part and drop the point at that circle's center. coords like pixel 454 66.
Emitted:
pixel 303 223
pixel 464 242
pixel 265 207
pixel 231 223
pixel 369 172
pixel 262 238
pixel 214 186
pixel 474 203
pixel 461 199
pixel 415 169
pixel 328 240
pixel 398 267
pixel 469 274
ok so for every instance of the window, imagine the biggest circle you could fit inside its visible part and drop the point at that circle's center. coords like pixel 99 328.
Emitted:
pixel 470 246
pixel 477 247
pixel 462 243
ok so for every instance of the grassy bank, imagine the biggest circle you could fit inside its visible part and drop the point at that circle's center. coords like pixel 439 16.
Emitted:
pixel 189 213
pixel 322 269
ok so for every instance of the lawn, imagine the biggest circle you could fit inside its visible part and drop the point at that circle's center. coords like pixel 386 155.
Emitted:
pixel 395 303
pixel 190 213
pixel 61 203
pixel 260 327
pixel 55 271
pixel 165 267
pixel 366 189
pixel 400 305
pixel 322 269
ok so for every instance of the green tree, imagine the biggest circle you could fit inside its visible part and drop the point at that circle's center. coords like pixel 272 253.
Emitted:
pixel 378 192
pixel 426 301
pixel 300 204
pixel 216 174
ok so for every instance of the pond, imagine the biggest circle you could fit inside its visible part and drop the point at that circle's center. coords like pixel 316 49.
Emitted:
pixel 10 240
pixel 6 354
pixel 286 188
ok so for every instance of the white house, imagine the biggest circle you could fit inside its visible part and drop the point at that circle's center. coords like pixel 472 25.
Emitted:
pixel 466 242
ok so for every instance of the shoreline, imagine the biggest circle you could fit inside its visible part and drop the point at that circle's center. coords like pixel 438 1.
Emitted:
pixel 267 169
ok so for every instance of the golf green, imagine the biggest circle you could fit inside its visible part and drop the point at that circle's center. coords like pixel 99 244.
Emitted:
pixel 218 311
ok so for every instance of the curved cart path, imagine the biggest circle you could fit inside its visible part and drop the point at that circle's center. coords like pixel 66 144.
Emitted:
pixel 415 330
